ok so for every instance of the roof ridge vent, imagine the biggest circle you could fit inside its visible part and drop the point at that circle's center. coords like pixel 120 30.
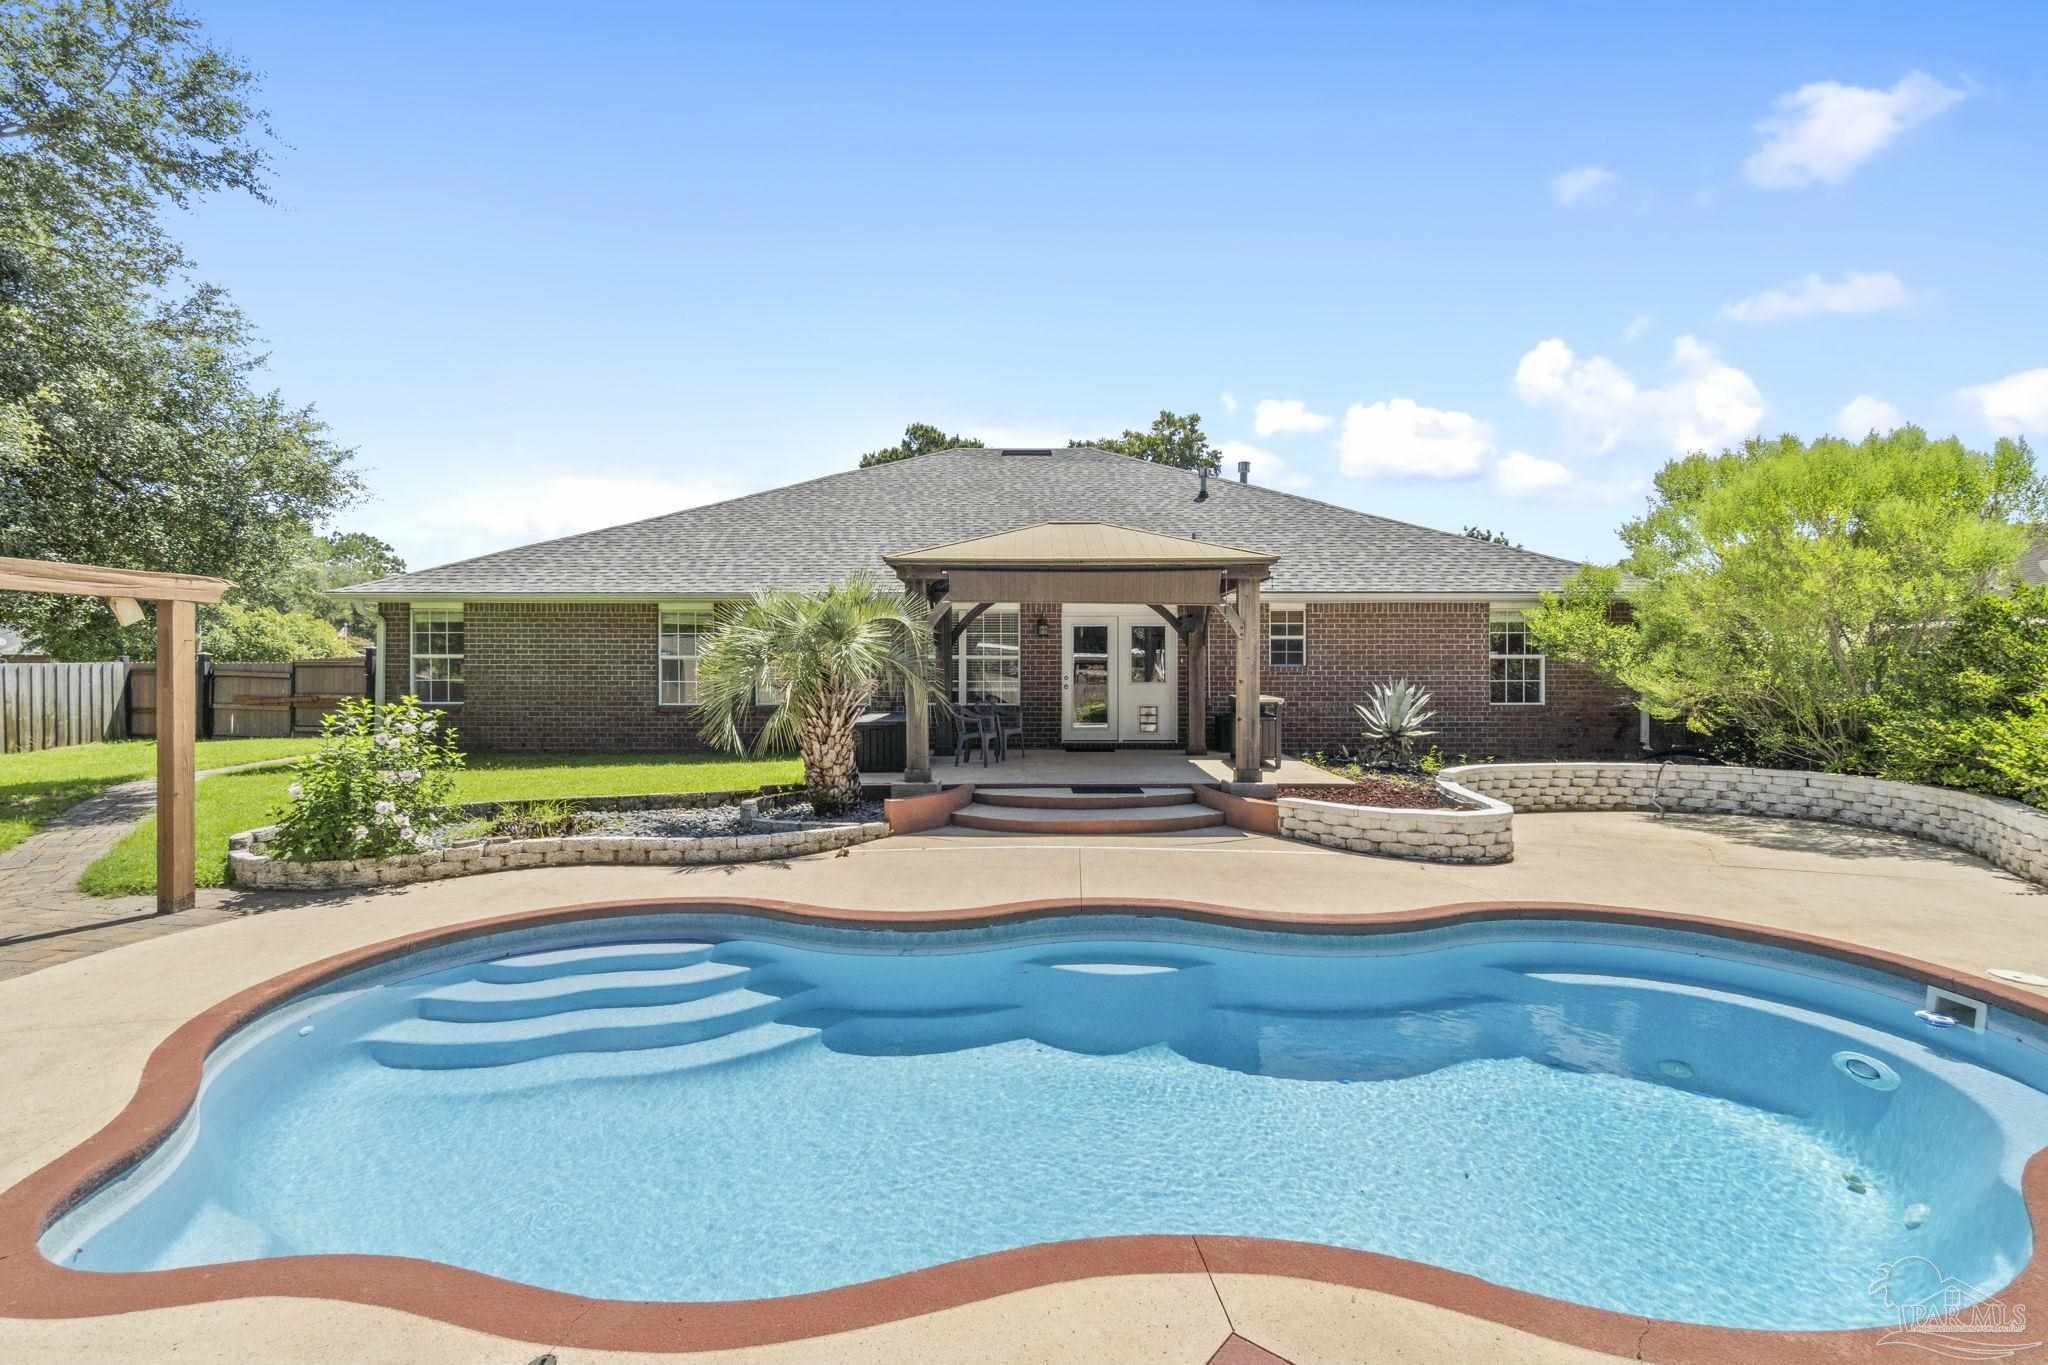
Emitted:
pixel 1039 451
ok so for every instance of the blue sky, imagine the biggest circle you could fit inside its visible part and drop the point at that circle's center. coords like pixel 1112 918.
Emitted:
pixel 552 267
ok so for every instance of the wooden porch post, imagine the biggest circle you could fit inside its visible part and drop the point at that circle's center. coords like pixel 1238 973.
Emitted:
pixel 177 657
pixel 1197 663
pixel 917 722
pixel 1245 761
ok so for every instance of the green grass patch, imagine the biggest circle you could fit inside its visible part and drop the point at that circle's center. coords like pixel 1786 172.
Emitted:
pixel 233 802
pixel 35 787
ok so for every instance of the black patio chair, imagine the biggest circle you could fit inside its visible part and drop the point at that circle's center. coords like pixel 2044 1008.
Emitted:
pixel 977 730
pixel 1009 724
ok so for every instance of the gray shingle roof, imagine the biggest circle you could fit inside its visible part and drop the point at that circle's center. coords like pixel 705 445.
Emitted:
pixel 811 534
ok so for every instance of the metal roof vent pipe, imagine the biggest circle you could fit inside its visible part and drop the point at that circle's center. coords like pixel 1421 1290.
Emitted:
pixel 1244 471
pixel 1202 493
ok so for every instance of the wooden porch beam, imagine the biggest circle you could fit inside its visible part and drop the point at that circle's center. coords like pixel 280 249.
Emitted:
pixel 88 580
pixel 1245 761
pixel 972 615
pixel 1183 622
pixel 1197 656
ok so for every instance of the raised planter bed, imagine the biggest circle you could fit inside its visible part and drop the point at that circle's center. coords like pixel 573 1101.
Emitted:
pixel 1456 826
pixel 765 838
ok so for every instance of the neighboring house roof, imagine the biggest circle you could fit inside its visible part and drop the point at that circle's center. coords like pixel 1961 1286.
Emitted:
pixel 811 534
pixel 1070 544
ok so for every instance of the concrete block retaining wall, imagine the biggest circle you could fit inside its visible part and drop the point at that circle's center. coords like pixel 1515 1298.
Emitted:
pixel 1483 832
pixel 2010 834
pixel 249 864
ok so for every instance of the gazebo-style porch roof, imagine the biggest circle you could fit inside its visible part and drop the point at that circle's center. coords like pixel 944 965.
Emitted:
pixel 1180 577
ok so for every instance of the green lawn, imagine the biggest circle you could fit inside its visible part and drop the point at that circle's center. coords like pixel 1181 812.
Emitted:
pixel 36 786
pixel 233 802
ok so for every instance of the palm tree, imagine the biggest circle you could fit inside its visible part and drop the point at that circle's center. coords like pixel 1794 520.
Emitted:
pixel 833 651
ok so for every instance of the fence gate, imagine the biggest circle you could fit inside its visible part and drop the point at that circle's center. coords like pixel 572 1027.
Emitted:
pixel 258 700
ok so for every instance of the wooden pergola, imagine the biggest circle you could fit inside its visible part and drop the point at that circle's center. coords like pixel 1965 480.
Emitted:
pixel 177 597
pixel 1179 577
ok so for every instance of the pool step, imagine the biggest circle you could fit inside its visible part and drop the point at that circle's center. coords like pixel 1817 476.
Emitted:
pixel 602 957
pixel 1071 818
pixel 441 1043
pixel 1067 798
pixel 758 1040
pixel 481 1001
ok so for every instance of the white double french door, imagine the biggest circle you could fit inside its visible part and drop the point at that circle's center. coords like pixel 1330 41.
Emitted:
pixel 1119 676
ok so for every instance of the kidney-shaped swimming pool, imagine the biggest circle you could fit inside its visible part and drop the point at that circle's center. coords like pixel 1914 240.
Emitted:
pixel 706 1106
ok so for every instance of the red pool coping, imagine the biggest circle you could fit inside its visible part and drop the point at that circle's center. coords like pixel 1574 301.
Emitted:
pixel 33 1287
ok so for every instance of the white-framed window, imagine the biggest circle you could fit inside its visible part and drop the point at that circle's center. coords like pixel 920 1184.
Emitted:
pixel 682 628
pixel 437 647
pixel 1514 662
pixel 991 664
pixel 1286 637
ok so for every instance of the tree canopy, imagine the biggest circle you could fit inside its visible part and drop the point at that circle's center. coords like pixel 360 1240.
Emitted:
pixel 1174 439
pixel 1774 592
pixel 919 438
pixel 131 431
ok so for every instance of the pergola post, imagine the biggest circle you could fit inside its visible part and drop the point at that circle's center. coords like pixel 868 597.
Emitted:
pixel 1245 761
pixel 177 664
pixel 1196 661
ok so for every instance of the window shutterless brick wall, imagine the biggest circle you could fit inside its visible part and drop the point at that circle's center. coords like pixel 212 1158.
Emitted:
pixel 581 676
pixel 557 676
pixel 1440 646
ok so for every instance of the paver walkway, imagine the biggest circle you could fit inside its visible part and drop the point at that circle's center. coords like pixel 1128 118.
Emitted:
pixel 45 919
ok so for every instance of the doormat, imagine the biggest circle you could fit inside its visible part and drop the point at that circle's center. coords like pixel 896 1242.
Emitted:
pixel 1104 789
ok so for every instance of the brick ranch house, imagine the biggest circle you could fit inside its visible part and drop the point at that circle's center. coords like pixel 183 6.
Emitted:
pixel 1093 590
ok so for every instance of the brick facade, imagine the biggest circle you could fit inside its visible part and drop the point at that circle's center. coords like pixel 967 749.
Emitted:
pixel 581 676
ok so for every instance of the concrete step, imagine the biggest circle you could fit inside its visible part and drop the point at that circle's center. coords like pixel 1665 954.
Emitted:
pixel 488 1001
pixel 428 1044
pixel 601 957
pixel 1087 819
pixel 1066 798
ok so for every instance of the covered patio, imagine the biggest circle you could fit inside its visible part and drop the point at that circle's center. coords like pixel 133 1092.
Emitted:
pixel 1122 767
pixel 1181 580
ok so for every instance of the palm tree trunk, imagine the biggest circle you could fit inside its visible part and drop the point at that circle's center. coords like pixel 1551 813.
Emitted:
pixel 831 779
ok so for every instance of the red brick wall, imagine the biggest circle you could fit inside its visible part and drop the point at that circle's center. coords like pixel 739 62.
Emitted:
pixel 582 677
pixel 555 676
pixel 1440 646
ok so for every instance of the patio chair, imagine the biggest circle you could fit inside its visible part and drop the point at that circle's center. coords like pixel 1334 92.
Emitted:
pixel 1009 724
pixel 977 730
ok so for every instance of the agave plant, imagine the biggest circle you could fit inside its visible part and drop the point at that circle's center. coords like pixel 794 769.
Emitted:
pixel 831 652
pixel 1393 718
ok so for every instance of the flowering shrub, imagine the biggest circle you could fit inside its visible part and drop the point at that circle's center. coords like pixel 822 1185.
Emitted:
pixel 378 784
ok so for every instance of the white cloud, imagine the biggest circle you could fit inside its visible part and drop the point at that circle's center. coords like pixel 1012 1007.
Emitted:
pixel 1575 184
pixel 1268 470
pixel 1402 439
pixel 1707 404
pixel 1229 403
pixel 1854 293
pixel 1276 416
pixel 1638 327
pixel 1823 131
pixel 2016 405
pixel 1520 474
pixel 1864 414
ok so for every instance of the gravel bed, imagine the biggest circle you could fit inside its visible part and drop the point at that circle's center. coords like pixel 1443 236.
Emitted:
pixel 1374 791
pixel 708 821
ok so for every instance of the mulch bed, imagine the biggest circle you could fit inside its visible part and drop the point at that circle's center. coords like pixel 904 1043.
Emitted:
pixel 1373 791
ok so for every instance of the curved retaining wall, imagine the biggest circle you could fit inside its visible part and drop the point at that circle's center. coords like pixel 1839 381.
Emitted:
pixel 2012 835
pixel 249 865
pixel 1481 833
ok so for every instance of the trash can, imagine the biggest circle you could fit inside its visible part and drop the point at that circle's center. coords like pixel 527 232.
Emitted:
pixel 879 742
pixel 1270 708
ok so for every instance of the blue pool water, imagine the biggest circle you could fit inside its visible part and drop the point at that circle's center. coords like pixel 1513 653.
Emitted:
pixel 696 1107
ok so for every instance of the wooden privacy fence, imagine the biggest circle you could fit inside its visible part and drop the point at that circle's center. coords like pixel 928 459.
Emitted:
pixel 257 700
pixel 51 706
